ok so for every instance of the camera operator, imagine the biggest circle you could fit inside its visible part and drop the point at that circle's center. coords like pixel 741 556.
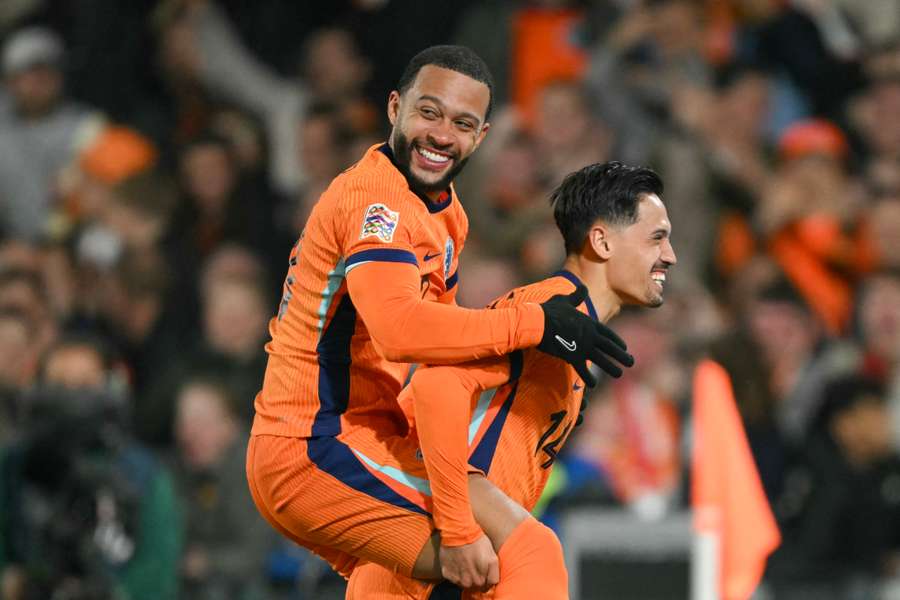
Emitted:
pixel 87 513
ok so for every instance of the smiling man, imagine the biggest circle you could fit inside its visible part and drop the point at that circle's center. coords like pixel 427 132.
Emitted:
pixel 370 288
pixel 493 428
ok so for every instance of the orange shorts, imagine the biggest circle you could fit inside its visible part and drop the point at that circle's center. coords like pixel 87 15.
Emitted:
pixel 345 498
pixel 373 582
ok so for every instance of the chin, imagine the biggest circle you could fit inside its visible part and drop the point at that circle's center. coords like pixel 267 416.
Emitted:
pixel 430 184
pixel 653 300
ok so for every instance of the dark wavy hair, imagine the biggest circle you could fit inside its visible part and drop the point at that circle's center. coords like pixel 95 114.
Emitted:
pixel 610 192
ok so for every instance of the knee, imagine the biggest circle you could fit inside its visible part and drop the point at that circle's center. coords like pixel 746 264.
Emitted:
pixel 548 539
pixel 532 564
pixel 533 542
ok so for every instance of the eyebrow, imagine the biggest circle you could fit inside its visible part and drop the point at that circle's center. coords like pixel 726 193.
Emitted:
pixel 441 105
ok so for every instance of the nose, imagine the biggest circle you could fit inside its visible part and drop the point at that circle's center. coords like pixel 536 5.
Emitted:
pixel 668 253
pixel 440 134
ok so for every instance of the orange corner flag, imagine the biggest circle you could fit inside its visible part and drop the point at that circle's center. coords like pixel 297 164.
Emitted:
pixel 727 495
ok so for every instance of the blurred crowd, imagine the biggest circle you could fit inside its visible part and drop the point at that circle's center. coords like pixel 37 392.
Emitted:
pixel 158 159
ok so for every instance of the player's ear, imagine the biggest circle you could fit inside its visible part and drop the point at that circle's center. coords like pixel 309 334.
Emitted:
pixel 393 106
pixel 600 239
pixel 480 137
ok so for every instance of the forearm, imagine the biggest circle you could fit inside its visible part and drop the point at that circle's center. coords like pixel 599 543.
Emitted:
pixel 406 328
pixel 442 426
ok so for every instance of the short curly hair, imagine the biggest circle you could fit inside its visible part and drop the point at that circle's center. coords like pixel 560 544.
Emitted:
pixel 456 58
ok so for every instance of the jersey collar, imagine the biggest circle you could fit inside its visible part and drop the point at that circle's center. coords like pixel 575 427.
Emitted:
pixel 444 199
pixel 573 279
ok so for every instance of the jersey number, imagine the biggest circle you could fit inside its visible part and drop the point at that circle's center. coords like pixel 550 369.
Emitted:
pixel 551 448
pixel 289 281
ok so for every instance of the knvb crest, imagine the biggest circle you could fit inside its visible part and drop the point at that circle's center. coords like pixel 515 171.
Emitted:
pixel 380 222
pixel 448 257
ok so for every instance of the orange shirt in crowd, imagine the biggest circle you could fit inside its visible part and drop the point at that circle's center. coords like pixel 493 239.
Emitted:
pixel 545 48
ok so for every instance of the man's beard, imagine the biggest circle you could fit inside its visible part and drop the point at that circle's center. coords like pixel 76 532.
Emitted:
pixel 403 150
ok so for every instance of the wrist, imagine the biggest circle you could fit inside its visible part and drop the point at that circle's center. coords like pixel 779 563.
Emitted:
pixel 461 537
pixel 531 323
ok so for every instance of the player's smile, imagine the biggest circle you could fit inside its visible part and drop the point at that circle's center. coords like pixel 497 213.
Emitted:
pixel 658 275
pixel 431 159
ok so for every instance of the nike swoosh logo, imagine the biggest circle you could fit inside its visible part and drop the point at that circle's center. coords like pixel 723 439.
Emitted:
pixel 428 257
pixel 570 346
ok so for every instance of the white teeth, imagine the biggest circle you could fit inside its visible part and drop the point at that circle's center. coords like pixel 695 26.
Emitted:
pixel 660 277
pixel 432 156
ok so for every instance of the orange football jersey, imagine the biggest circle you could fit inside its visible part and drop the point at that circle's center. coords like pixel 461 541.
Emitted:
pixel 521 409
pixel 370 288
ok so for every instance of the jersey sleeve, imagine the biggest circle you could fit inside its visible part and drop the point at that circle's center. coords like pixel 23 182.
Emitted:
pixel 379 236
pixel 442 405
pixel 385 288
pixel 378 225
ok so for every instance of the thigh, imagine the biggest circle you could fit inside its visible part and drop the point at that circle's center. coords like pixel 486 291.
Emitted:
pixel 374 582
pixel 341 562
pixel 329 495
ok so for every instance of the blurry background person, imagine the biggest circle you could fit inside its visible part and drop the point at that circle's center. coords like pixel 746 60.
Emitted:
pixel 226 544
pixel 841 504
pixel 39 130
pixel 88 512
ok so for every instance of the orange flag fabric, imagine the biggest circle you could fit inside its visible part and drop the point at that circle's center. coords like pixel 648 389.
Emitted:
pixel 727 495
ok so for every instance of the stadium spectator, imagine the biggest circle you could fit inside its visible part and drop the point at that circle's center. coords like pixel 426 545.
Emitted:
pixel 810 217
pixel 129 305
pixel 225 544
pixel 39 131
pixel 632 426
pixel 18 365
pixel 333 72
pixel 113 154
pixel 88 512
pixel 23 290
pixel 839 511
pixel 235 309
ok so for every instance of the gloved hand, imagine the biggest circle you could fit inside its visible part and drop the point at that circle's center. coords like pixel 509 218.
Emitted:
pixel 583 406
pixel 576 338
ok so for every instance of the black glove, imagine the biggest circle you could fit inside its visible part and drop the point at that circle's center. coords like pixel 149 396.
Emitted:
pixel 580 418
pixel 576 338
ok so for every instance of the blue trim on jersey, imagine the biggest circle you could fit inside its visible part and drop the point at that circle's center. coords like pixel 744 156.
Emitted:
pixel 453 280
pixel 337 459
pixel 380 255
pixel 516 360
pixel 576 282
pixel 516 363
pixel 484 402
pixel 483 454
pixel 335 279
pixel 446 198
pixel 333 352
pixel 423 486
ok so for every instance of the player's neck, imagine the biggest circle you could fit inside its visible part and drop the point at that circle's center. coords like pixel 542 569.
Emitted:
pixel 593 275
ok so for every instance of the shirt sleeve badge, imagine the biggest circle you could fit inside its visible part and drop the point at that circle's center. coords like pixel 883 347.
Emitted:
pixel 379 222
